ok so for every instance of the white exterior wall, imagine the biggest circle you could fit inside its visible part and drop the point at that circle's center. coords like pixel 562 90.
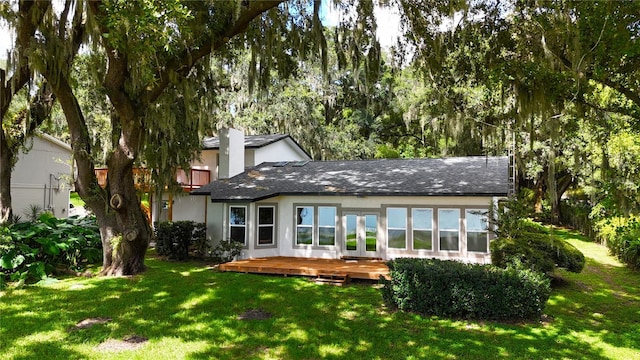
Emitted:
pixel 189 208
pixel 208 161
pixel 250 158
pixel 285 225
pixel 42 176
pixel 283 150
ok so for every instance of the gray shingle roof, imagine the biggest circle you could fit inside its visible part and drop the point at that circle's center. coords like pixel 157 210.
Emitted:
pixel 250 141
pixel 461 176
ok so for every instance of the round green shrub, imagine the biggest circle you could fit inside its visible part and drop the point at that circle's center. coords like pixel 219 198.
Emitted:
pixel 536 251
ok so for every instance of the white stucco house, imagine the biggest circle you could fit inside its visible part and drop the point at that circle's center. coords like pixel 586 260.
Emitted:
pixel 42 176
pixel 384 209
pixel 222 157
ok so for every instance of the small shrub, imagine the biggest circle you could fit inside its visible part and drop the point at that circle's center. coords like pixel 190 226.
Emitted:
pixel 199 243
pixel 454 289
pixel 175 239
pixel 226 251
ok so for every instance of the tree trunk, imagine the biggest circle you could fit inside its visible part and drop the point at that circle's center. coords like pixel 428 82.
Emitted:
pixel 6 211
pixel 131 233
pixel 124 230
pixel 539 193
pixel 564 182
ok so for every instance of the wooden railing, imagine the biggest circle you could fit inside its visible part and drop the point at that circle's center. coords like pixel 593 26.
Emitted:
pixel 196 179
pixel 142 178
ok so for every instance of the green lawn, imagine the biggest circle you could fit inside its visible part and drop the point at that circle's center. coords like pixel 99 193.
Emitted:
pixel 188 311
pixel 75 199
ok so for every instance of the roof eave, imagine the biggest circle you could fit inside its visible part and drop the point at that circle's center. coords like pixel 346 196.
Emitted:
pixel 356 194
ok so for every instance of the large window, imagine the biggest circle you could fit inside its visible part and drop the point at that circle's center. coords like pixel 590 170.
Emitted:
pixel 326 226
pixel 397 228
pixel 422 221
pixel 238 224
pixel 304 225
pixel 266 225
pixel 477 233
pixel 316 225
pixel 449 229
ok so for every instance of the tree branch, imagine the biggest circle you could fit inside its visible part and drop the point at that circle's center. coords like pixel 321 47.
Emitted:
pixel 183 64
pixel 116 70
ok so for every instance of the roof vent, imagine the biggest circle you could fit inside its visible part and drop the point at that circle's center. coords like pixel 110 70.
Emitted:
pixel 300 163
pixel 280 164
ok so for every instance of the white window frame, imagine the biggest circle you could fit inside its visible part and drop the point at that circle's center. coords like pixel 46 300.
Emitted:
pixel 414 228
pixel 468 212
pixel 334 227
pixel 406 227
pixel 246 221
pixel 312 226
pixel 440 229
pixel 260 226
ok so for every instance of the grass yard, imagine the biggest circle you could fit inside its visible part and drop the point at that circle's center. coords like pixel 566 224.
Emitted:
pixel 187 311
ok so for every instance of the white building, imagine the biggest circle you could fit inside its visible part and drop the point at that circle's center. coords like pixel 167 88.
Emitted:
pixel 42 176
pixel 239 152
pixel 432 208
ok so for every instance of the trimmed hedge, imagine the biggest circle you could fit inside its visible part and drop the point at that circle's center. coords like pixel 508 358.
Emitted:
pixel 536 251
pixel 452 289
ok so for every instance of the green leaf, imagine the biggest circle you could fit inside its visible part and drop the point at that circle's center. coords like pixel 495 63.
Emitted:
pixel 11 260
pixel 51 248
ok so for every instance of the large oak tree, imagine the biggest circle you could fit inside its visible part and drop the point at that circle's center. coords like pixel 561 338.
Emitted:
pixel 157 70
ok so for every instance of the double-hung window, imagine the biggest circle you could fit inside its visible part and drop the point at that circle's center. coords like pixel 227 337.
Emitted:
pixel 266 225
pixel 422 224
pixel 449 229
pixel 477 233
pixel 397 228
pixel 326 226
pixel 238 224
pixel 304 225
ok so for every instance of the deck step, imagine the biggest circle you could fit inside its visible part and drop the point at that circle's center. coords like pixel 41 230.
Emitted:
pixel 332 278
pixel 359 258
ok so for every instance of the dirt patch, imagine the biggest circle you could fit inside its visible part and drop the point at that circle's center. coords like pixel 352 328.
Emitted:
pixel 87 323
pixel 129 342
pixel 255 314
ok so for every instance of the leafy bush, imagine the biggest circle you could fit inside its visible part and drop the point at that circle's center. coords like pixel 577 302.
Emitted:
pixel 177 240
pixel 536 251
pixel 622 236
pixel 525 243
pixel 33 250
pixel 453 289
pixel 199 243
pixel 226 251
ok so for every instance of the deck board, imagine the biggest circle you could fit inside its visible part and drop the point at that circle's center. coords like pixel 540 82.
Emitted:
pixel 282 265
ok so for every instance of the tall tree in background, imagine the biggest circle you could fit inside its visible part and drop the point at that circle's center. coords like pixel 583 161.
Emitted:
pixel 547 61
pixel 16 129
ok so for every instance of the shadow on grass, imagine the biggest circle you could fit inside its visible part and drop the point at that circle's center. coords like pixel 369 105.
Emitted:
pixel 198 309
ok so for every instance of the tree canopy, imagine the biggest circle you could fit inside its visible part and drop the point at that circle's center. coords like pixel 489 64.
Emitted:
pixel 140 82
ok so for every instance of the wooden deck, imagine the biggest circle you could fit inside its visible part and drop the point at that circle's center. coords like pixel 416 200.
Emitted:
pixel 354 269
